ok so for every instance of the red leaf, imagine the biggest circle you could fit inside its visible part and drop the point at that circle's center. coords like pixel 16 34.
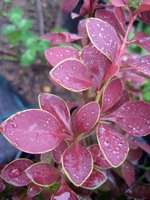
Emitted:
pixel 33 190
pixel 112 93
pixel 58 152
pixel 111 72
pixel 42 174
pixel 128 173
pixel 123 99
pixel 134 118
pixel 142 66
pixel 96 62
pixel 77 163
pixel 98 158
pixel 103 36
pixel 145 17
pixel 134 155
pixel 57 54
pixel 119 13
pixel 57 107
pixel 113 145
pixel 72 75
pixel 95 180
pixel 62 37
pixel 86 117
pixel 118 3
pixel 68 6
pixel 64 193
pixel 109 17
pixel 33 131
pixel 144 146
pixel 142 40
pixel 14 172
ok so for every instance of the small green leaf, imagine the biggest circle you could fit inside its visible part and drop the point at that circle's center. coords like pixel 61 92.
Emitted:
pixel 8 30
pixel 42 46
pixel 15 15
pixel 25 24
pixel 28 57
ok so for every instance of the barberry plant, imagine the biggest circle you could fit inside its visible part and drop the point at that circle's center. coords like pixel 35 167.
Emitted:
pixel 81 143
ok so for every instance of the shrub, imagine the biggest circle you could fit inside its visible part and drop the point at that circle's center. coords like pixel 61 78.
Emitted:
pixel 95 140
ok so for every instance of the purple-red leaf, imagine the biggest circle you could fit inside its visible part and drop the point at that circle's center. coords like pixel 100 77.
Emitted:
pixel 103 36
pixel 145 16
pixel 109 17
pixel 77 163
pixel 64 193
pixel 119 13
pixel 135 155
pixel 98 158
pixel 62 37
pixel 33 190
pixel 128 173
pixel 86 117
pixel 33 131
pixel 68 6
pixel 96 62
pixel 42 174
pixel 14 172
pixel 57 54
pixel 142 66
pixel 57 107
pixel 72 75
pixel 112 93
pixel 58 152
pixel 134 117
pixel 142 40
pixel 144 146
pixel 113 145
pixel 118 3
pixel 96 179
pixel 111 72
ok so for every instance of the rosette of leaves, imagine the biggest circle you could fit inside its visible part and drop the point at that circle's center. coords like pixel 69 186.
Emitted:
pixel 81 150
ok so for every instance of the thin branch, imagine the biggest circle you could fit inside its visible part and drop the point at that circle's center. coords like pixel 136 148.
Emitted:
pixel 41 19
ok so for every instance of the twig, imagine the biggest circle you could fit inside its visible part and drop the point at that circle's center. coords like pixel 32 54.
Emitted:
pixel 41 19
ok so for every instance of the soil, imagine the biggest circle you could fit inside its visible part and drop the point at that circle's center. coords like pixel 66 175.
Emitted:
pixel 29 82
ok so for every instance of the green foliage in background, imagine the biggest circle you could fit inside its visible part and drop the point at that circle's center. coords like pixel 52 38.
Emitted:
pixel 28 45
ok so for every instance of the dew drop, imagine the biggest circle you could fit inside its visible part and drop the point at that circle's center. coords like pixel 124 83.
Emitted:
pixel 106 143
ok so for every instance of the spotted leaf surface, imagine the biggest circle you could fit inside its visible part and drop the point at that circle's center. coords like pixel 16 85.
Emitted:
pixel 68 6
pixel 108 17
pixel 113 145
pixel 96 62
pixel 33 131
pixel 119 13
pixel 64 193
pixel 57 107
pixel 14 172
pixel 103 36
pixel 72 75
pixel 77 163
pixel 58 152
pixel 57 54
pixel 98 158
pixel 96 179
pixel 134 118
pixel 42 174
pixel 86 117
pixel 112 93
pixel 142 66
pixel 33 190
pixel 128 173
